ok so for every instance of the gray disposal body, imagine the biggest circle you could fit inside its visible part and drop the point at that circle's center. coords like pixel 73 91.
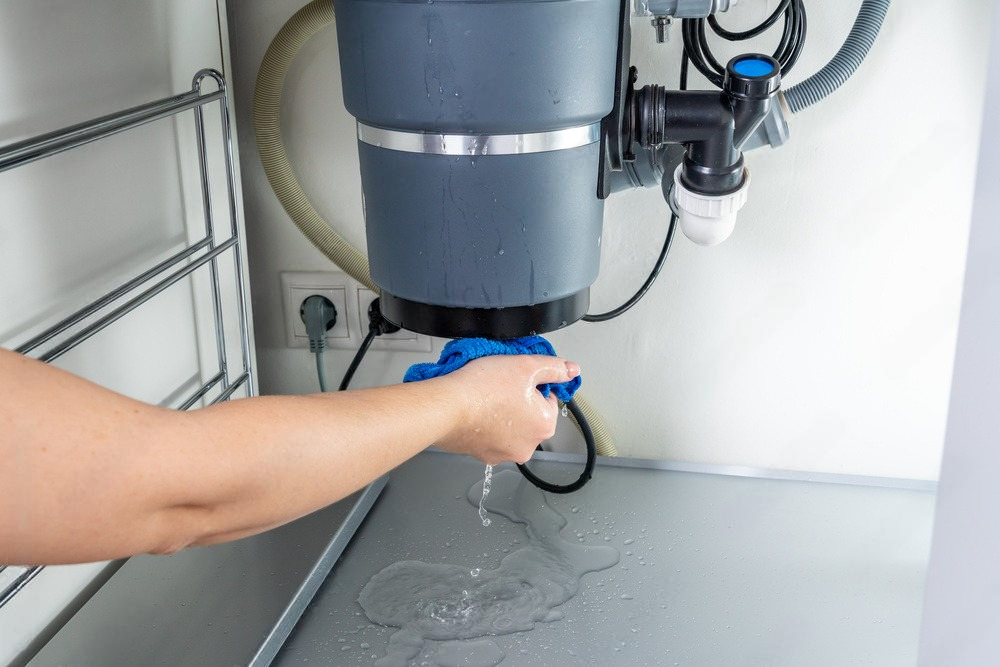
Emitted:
pixel 479 142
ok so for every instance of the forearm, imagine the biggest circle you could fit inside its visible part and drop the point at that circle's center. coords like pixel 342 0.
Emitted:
pixel 92 475
pixel 287 456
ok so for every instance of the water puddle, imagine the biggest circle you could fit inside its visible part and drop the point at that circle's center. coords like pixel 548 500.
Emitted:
pixel 442 603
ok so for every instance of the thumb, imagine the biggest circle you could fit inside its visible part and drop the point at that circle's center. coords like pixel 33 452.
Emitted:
pixel 553 370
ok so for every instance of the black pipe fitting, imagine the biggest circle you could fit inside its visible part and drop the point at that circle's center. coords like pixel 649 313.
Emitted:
pixel 751 82
pixel 713 126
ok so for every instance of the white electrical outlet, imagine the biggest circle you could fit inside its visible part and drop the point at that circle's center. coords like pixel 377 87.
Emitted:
pixel 296 287
pixel 402 341
pixel 351 299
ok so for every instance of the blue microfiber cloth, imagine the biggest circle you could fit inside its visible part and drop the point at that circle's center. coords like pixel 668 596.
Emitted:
pixel 461 351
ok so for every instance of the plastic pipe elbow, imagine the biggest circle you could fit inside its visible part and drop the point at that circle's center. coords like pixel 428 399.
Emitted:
pixel 708 219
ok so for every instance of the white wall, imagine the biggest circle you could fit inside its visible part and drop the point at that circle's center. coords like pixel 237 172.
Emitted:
pixel 960 624
pixel 74 225
pixel 819 337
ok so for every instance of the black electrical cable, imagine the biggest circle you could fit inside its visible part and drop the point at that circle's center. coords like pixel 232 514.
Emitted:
pixel 793 39
pixel 697 49
pixel 358 356
pixel 705 52
pixel 752 32
pixel 378 325
pixel 588 469
pixel 694 52
pixel 615 312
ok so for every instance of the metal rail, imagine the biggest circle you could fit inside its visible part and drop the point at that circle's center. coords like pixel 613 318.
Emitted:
pixel 110 298
pixel 43 146
pixel 133 303
pixel 19 581
pixel 132 293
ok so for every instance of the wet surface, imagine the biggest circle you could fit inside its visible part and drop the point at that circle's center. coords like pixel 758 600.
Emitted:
pixel 713 570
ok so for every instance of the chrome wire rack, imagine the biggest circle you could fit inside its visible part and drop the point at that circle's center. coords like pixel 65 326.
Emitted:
pixel 132 293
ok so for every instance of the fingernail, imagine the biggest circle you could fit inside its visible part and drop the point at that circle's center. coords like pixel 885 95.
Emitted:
pixel 572 369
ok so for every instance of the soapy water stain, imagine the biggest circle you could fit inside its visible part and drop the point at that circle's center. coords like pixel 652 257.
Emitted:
pixel 436 602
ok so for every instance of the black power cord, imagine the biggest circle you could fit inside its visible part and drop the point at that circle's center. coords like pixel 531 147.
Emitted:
pixel 588 469
pixel 697 50
pixel 377 325
pixel 615 312
pixel 356 361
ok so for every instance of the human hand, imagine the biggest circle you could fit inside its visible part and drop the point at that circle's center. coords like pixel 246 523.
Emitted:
pixel 504 416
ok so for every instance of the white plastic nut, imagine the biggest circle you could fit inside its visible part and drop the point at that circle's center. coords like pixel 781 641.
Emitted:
pixel 708 219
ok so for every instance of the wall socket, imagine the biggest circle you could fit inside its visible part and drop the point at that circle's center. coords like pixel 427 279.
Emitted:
pixel 351 299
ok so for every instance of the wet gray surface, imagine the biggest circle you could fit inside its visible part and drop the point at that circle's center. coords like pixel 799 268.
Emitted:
pixel 230 604
pixel 715 569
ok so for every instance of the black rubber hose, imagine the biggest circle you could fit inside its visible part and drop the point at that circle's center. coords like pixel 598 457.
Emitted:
pixel 588 469
pixel 859 42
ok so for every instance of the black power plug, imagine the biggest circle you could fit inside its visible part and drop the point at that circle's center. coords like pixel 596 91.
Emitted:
pixel 378 323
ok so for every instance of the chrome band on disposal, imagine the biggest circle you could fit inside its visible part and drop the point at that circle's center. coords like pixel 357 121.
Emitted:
pixel 479 144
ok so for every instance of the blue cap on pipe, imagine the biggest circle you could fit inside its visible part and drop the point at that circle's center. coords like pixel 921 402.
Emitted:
pixel 753 67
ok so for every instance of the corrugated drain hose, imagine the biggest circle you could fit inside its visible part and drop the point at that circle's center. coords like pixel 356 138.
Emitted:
pixel 267 123
pixel 603 439
pixel 850 56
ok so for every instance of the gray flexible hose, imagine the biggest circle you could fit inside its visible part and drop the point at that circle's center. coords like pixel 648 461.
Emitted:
pixel 848 59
